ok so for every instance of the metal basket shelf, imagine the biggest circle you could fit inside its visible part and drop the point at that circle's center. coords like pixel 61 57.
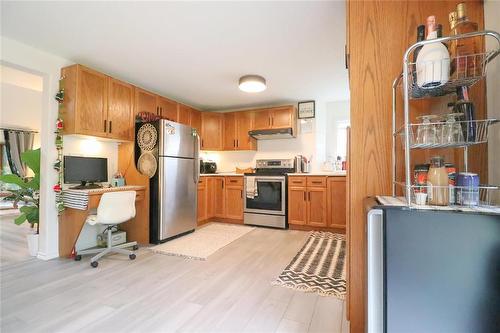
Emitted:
pixel 474 132
pixel 471 75
pixel 464 76
pixel 462 196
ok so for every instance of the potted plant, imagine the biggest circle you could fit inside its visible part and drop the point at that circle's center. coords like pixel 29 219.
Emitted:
pixel 28 194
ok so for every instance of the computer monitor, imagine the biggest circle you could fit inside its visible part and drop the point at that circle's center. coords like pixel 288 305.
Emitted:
pixel 84 170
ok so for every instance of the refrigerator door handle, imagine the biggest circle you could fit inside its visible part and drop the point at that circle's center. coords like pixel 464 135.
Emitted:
pixel 197 159
pixel 375 271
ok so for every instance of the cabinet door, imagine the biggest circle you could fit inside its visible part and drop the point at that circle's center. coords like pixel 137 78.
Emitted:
pixel 316 206
pixel 91 102
pixel 210 197
pixel 219 208
pixel 297 205
pixel 184 114
pixel 337 202
pixel 211 131
pixel 229 131
pixel 196 120
pixel 234 202
pixel 120 110
pixel 282 117
pixel 244 124
pixel 167 108
pixel 202 200
pixel 145 102
pixel 262 119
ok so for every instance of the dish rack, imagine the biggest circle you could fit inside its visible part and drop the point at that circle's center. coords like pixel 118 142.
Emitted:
pixel 407 133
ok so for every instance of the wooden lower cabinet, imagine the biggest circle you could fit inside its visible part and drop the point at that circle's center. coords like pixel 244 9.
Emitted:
pixel 220 197
pixel 337 200
pixel 234 202
pixel 316 201
pixel 202 200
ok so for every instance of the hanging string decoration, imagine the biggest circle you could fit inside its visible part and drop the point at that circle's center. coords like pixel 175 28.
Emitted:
pixel 58 164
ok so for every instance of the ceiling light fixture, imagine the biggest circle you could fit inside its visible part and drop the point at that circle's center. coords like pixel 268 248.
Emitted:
pixel 252 83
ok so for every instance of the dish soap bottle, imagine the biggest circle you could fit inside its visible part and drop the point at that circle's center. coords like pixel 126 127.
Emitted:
pixel 437 182
pixel 433 60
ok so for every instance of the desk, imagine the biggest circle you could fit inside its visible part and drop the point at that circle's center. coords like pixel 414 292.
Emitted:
pixel 72 220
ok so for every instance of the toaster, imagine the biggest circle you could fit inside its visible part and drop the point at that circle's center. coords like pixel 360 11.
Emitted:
pixel 208 167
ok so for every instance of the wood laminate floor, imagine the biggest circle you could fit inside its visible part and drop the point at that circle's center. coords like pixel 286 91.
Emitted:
pixel 230 292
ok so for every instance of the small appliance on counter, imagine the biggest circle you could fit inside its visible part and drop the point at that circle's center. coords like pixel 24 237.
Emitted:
pixel 301 164
pixel 208 167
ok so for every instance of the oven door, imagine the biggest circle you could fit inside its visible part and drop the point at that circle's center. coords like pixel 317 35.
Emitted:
pixel 270 197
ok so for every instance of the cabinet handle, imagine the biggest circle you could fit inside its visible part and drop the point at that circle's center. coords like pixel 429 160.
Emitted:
pixel 234 143
pixel 222 184
pixel 272 122
pixel 317 182
pixel 296 182
pixel 241 194
pixel 304 195
pixel 233 181
pixel 309 194
pixel 237 143
pixel 105 130
pixel 110 124
pixel 201 143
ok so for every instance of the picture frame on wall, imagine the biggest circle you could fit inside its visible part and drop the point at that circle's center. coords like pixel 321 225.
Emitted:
pixel 306 109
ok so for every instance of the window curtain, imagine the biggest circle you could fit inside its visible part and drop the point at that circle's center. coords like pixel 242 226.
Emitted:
pixel 17 142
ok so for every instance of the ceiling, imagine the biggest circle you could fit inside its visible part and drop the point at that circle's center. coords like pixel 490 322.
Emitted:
pixel 195 52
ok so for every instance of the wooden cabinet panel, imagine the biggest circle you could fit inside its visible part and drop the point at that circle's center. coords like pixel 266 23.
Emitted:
pixel 316 181
pixel 229 131
pixel 244 124
pixel 262 119
pixel 91 106
pixel 337 202
pixel 196 120
pixel 282 117
pixel 210 197
pixel 211 131
pixel 297 205
pixel 297 181
pixel 234 181
pixel 184 114
pixel 234 202
pixel 202 200
pixel 167 108
pixel 316 206
pixel 145 101
pixel 120 110
pixel 219 188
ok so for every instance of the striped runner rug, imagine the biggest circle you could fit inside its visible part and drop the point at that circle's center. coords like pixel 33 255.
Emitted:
pixel 318 267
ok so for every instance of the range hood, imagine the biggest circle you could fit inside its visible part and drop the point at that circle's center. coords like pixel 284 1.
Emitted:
pixel 271 134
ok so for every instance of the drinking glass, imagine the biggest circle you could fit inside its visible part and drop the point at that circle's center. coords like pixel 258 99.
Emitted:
pixel 427 132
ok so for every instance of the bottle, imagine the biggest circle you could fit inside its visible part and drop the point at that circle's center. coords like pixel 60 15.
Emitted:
pixel 464 50
pixel 466 107
pixel 437 182
pixel 433 60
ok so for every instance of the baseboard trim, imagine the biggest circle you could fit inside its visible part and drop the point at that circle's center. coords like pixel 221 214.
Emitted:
pixel 312 228
pixel 47 256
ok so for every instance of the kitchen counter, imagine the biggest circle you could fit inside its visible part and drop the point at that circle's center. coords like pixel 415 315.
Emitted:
pixel 320 173
pixel 221 174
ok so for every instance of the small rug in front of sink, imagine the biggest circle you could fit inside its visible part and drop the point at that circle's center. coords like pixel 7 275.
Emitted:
pixel 319 267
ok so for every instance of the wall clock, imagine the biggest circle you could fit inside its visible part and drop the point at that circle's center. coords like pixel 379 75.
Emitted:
pixel 306 109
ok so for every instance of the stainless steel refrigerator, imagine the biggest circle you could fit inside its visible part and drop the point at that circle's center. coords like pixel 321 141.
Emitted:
pixel 173 188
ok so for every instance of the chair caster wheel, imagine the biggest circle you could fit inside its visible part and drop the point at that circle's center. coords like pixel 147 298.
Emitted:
pixel 94 264
pixel 78 257
pixel 131 256
pixel 135 247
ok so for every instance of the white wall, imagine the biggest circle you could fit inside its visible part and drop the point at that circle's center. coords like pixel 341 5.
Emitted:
pixel 21 101
pixel 337 113
pixel 492 22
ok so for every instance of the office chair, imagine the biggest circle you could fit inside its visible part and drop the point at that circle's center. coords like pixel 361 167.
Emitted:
pixel 114 208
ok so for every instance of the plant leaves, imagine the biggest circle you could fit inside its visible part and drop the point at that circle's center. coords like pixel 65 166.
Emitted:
pixel 31 213
pixel 14 179
pixel 32 160
pixel 20 219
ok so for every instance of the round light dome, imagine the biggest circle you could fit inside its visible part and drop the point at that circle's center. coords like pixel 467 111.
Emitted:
pixel 252 83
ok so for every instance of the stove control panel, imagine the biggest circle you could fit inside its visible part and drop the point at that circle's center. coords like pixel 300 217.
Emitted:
pixel 275 164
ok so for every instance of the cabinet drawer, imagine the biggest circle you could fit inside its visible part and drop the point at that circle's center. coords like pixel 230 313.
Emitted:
pixel 316 181
pixel 234 181
pixel 296 181
pixel 139 196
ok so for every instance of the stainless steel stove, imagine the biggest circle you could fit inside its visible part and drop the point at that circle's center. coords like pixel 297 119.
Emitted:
pixel 266 193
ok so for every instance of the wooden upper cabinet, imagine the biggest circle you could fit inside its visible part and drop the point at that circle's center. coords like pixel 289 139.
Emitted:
pixel 211 131
pixel 167 108
pixel 184 114
pixel 120 110
pixel 282 117
pixel 337 201
pixel 91 103
pixel 244 124
pixel 196 120
pixel 145 102
pixel 229 131
pixel 262 119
